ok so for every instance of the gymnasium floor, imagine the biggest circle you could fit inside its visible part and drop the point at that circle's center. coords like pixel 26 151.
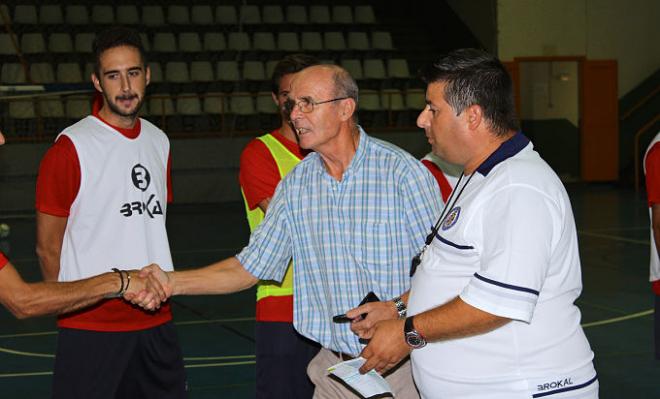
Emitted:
pixel 217 332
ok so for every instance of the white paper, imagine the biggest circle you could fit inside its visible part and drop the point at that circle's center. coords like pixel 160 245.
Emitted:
pixel 368 385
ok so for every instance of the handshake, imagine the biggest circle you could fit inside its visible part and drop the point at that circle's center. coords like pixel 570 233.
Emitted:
pixel 147 288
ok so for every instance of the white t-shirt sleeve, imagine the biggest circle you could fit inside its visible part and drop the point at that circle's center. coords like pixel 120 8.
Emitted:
pixel 519 227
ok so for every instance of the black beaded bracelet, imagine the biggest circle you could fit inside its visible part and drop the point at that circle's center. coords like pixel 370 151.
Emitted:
pixel 128 281
pixel 121 289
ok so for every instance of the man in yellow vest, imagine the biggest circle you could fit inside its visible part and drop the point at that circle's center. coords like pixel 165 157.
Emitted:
pixel 282 354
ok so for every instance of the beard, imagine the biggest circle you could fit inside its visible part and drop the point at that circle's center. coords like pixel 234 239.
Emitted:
pixel 118 111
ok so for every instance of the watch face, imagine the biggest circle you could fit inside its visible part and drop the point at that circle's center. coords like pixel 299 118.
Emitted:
pixel 415 341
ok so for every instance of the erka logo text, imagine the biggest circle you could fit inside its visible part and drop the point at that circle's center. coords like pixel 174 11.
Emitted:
pixel 141 180
pixel 151 207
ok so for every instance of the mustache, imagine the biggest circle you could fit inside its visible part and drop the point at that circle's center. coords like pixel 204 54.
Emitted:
pixel 126 97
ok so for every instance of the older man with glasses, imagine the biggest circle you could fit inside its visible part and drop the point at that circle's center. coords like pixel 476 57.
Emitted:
pixel 351 214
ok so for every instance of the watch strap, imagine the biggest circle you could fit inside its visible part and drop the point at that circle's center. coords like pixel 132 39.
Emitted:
pixel 413 338
pixel 408 325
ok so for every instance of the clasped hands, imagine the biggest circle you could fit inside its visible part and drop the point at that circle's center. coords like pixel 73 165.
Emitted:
pixel 384 330
pixel 149 287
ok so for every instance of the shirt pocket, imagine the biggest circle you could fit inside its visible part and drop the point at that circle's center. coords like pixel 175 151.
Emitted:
pixel 372 245
pixel 449 256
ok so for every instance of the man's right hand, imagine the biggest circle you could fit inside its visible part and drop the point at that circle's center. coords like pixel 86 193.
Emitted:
pixel 157 288
pixel 376 311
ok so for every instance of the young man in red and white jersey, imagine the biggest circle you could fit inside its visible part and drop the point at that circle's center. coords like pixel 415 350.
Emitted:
pixel 36 299
pixel 652 172
pixel 282 354
pixel 102 195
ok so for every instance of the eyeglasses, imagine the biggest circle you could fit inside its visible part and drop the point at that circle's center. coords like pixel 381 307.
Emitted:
pixel 306 105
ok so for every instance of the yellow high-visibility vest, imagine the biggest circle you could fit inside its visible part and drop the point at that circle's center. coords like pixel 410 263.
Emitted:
pixel 285 161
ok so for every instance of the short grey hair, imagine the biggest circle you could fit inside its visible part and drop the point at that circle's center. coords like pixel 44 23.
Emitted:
pixel 345 86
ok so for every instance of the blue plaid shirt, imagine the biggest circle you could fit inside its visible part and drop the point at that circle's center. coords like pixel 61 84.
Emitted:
pixel 346 237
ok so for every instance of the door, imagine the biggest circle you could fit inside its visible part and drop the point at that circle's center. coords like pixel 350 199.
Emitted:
pixel 599 127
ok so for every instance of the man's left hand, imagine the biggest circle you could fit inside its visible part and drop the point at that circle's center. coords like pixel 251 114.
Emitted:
pixel 386 348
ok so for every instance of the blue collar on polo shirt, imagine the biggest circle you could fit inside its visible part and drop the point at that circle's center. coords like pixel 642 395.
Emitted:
pixel 505 151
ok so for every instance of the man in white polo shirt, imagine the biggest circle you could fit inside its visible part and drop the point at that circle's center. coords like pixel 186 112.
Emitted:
pixel 491 305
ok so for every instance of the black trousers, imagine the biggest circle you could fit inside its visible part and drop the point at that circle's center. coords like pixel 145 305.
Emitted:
pixel 282 359
pixel 113 365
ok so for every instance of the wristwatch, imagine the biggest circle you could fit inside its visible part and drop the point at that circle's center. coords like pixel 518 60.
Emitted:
pixel 414 338
pixel 401 307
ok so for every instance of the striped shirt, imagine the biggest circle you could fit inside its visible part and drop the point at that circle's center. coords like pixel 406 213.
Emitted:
pixel 346 237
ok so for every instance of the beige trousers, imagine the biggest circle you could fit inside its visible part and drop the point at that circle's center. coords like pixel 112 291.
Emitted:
pixel 400 379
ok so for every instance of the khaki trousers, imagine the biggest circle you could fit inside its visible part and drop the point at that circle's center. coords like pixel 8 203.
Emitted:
pixel 400 379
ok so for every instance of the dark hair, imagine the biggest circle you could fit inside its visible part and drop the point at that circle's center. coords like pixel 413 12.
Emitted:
pixel 290 64
pixel 116 37
pixel 474 77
